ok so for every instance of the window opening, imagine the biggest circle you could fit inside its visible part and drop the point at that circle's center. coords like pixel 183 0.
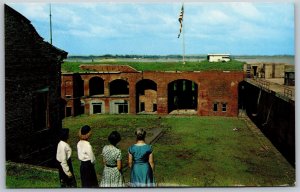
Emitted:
pixel 215 107
pixel 224 107
pixel 97 108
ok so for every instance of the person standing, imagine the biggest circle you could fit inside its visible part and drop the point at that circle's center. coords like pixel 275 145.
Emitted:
pixel 86 156
pixel 63 157
pixel 112 160
pixel 141 162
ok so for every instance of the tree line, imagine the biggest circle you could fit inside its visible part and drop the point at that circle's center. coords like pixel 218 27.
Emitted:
pixel 110 56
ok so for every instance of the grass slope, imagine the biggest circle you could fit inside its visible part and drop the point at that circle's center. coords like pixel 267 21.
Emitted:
pixel 162 66
pixel 208 152
pixel 24 176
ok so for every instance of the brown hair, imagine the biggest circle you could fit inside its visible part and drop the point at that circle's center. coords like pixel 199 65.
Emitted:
pixel 140 134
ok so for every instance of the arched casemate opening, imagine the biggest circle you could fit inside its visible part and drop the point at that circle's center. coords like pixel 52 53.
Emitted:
pixel 146 96
pixel 182 97
pixel 119 87
pixel 96 86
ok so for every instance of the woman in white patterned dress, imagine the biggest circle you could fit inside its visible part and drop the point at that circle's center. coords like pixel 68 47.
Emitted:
pixel 112 160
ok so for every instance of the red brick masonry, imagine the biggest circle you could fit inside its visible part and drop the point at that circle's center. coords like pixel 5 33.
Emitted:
pixel 219 87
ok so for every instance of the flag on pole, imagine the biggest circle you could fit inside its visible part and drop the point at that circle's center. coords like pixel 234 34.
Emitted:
pixel 180 19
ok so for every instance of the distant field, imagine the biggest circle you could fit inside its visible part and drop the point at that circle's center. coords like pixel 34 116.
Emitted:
pixel 160 66
pixel 194 151
pixel 288 59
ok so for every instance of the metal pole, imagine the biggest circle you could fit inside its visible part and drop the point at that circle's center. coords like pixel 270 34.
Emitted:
pixel 50 26
pixel 183 43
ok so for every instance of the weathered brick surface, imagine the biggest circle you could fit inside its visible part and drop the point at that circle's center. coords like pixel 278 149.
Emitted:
pixel 30 65
pixel 213 86
pixel 149 98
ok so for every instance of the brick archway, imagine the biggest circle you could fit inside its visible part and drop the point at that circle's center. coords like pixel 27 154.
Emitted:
pixel 96 86
pixel 118 87
pixel 146 96
pixel 182 95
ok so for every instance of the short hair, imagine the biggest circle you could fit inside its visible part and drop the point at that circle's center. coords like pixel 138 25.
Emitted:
pixel 64 134
pixel 85 132
pixel 114 137
pixel 85 129
pixel 140 134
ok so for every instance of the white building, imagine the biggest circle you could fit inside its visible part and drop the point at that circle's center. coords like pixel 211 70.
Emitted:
pixel 218 57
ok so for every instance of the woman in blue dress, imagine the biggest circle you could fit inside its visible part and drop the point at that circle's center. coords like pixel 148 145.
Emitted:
pixel 140 160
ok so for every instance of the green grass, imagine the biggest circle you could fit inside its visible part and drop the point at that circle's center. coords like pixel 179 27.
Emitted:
pixel 23 176
pixel 209 153
pixel 232 65
pixel 194 151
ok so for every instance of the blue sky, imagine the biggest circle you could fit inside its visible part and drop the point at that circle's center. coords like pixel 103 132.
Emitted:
pixel 240 28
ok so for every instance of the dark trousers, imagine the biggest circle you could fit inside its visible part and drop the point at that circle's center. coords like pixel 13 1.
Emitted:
pixel 88 175
pixel 65 181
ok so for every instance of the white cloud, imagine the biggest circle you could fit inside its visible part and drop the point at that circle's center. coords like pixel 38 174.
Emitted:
pixel 209 23
pixel 77 33
pixel 90 31
pixel 66 16
pixel 33 11
pixel 103 31
pixel 215 17
pixel 246 10
pixel 250 31
pixel 238 21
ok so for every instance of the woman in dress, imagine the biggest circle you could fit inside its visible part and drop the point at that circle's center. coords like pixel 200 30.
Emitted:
pixel 140 160
pixel 87 158
pixel 112 160
pixel 63 157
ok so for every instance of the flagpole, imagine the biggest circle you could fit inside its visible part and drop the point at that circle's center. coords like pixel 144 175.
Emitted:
pixel 183 43
pixel 50 25
pixel 181 30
